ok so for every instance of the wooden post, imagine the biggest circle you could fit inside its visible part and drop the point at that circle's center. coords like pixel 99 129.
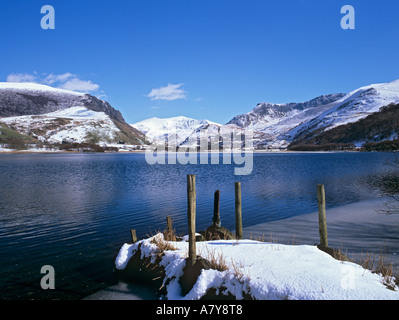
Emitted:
pixel 216 206
pixel 191 211
pixel 321 201
pixel 134 236
pixel 238 210
pixel 169 225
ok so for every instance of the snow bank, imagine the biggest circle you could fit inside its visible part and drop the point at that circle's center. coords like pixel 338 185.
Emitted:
pixel 265 271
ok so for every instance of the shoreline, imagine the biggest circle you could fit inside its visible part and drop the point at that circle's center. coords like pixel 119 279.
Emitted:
pixel 144 151
pixel 355 228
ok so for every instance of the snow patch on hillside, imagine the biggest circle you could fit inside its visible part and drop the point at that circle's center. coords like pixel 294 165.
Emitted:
pixel 179 127
pixel 356 105
pixel 72 125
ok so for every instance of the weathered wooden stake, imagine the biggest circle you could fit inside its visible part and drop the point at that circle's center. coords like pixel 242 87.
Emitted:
pixel 191 211
pixel 134 236
pixel 216 206
pixel 169 225
pixel 321 201
pixel 238 210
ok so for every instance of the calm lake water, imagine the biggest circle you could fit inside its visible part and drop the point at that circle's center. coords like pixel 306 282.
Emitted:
pixel 74 211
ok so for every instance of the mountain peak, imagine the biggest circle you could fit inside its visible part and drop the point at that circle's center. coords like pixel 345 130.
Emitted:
pixel 266 114
pixel 157 128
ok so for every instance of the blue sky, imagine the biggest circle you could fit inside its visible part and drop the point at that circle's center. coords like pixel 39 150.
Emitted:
pixel 206 59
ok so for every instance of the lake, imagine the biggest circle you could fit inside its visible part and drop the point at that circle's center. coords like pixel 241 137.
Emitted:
pixel 74 211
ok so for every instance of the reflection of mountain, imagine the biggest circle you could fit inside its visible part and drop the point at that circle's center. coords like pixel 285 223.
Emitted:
pixel 56 190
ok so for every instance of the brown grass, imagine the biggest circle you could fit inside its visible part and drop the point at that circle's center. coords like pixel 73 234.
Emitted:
pixel 379 264
pixel 170 235
pixel 163 245
pixel 217 260
pixel 237 270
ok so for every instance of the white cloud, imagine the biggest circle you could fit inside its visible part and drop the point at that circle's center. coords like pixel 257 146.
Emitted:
pixel 170 92
pixel 66 81
pixel 21 77
pixel 52 78
pixel 76 84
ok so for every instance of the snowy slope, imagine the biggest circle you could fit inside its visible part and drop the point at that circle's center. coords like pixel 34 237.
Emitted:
pixel 229 136
pixel 74 124
pixel 177 127
pixel 34 109
pixel 265 271
pixel 268 114
pixel 354 106
pixel 284 123
pixel 35 87
pixel 274 120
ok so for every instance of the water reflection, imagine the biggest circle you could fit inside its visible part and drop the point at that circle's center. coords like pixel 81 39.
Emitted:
pixel 79 208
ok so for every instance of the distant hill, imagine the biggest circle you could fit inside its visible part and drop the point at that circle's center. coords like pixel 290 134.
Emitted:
pixel 176 128
pixel 376 127
pixel 293 124
pixel 52 115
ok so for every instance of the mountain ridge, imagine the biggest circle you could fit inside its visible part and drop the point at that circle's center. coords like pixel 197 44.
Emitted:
pixel 275 126
pixel 283 128
pixel 31 99
pixel 159 129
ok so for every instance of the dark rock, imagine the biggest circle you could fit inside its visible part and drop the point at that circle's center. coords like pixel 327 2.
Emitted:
pixel 141 271
pixel 218 233
pixel 336 254
pixel 191 272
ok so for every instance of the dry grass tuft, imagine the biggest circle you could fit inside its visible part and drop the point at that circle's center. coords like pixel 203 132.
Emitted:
pixel 162 244
pixel 262 238
pixel 170 235
pixel 216 260
pixel 237 270
pixel 379 264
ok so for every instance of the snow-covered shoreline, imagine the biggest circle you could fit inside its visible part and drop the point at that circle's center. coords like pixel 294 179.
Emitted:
pixel 35 150
pixel 279 270
pixel 356 228
pixel 264 271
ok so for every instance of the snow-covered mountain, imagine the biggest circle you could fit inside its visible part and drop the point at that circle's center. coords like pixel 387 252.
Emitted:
pixel 267 114
pixel 74 124
pixel 351 108
pixel 175 129
pixel 274 120
pixel 284 123
pixel 53 115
